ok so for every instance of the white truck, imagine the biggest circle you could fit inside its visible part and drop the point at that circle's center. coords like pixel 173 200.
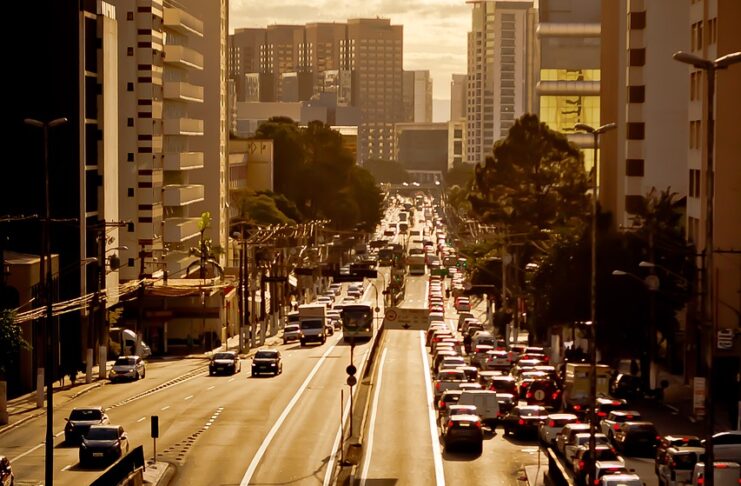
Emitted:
pixel 312 319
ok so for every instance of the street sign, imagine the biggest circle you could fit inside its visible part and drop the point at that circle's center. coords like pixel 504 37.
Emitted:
pixel 351 381
pixel 725 338
pixel 155 426
pixel 391 315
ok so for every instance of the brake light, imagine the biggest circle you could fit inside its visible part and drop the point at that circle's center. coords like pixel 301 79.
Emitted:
pixel 477 424
pixel 581 464
pixel 437 385
pixel 616 427
pixel 528 395
pixel 616 403
pixel 629 417
pixel 721 466
pixel 551 423
pixel 700 481
pixel 577 407
pixel 521 422
pixel 596 482
pixel 450 423
pixel 555 395
pixel 658 437
pixel 499 414
pixel 601 414
pixel 441 404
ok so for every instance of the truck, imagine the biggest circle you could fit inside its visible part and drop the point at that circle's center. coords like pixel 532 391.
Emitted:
pixel 576 385
pixel 312 319
pixel 416 264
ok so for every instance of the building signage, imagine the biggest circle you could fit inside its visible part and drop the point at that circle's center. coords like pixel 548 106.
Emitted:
pixel 725 338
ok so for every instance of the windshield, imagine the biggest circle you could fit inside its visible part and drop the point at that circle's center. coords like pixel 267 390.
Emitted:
pixel 266 354
pixel 684 461
pixel 223 356
pixel 85 415
pixel 292 328
pixel 103 433
pixel 313 324
pixel 451 376
pixel 125 362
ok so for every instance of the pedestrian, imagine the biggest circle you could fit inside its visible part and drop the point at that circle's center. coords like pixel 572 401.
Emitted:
pixel 61 376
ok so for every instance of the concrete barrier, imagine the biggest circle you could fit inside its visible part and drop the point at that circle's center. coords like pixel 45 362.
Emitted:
pixel 557 473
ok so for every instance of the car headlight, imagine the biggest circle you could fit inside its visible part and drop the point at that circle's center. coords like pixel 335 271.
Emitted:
pixel 272 364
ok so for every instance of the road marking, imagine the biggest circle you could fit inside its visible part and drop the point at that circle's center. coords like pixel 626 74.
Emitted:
pixel 232 379
pixel 165 407
pixel 211 387
pixel 27 452
pixel 59 433
pixel 269 438
pixel 141 419
pixel 436 453
pixel 188 397
pixel 66 467
pixel 369 448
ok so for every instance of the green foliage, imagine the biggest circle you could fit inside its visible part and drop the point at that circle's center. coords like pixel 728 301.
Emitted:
pixel 536 180
pixel 461 174
pixel 284 205
pixel 458 199
pixel 206 252
pixel 261 209
pixel 389 171
pixel 11 341
pixel 288 153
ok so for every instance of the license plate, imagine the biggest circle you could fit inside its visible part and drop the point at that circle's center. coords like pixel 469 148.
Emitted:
pixel 97 454
pixel 463 424
pixel 219 368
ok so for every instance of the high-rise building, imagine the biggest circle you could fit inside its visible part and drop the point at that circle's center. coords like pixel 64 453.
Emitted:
pixel 569 79
pixel 457 124
pixel 244 57
pixel 417 96
pixel 458 86
pixel 280 52
pixel 374 49
pixel 319 51
pixel 501 71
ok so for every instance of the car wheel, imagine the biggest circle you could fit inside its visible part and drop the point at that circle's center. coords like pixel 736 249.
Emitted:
pixel 303 343
pixel 479 448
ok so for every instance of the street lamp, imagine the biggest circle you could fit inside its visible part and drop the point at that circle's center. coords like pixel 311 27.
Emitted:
pixel 596 132
pixel 710 67
pixel 51 331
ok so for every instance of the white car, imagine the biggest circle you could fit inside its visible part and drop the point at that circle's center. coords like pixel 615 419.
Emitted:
pixel 292 332
pixel 127 368
pixel 613 420
pixel 553 425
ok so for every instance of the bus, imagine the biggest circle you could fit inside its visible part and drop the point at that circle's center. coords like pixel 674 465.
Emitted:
pixel 416 264
pixel 357 322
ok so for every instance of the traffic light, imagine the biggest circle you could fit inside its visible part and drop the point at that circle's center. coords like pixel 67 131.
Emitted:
pixel 351 370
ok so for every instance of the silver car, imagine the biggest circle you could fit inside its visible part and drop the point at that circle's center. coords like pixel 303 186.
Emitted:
pixel 127 368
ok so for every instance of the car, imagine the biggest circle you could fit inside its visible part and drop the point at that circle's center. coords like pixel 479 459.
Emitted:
pixel 447 380
pixel 328 328
pixel 552 425
pixel 524 420
pixel 454 409
pixel 605 405
pixel 6 472
pixel 543 392
pixel 637 438
pixel 506 403
pixel 581 440
pixel 80 420
pixel 727 446
pixel 267 361
pixel 621 479
pixel 472 373
pixel 613 420
pixel 673 440
pixel 497 360
pixel 452 362
pixel 678 465
pixel 103 443
pixel 292 332
pixel 724 473
pixel 448 397
pixel 127 368
pixel 503 384
pixel 602 452
pixel 463 430
pixel 567 435
pixel 225 362
pixel 607 468
pixel 626 386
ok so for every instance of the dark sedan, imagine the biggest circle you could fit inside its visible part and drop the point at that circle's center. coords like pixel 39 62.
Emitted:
pixel 637 438
pixel 267 361
pixel 225 362
pixel 103 444
pixel 80 420
pixel 524 420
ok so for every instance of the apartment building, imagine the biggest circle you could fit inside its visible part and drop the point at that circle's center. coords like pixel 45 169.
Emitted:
pixel 417 96
pixel 457 124
pixel 501 71
pixel 568 85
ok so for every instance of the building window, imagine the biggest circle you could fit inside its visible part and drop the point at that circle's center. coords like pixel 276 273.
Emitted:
pixel 130 227
pixel 129 15
pixel 636 94
pixel 129 51
pixel 633 204
pixel 636 131
pixel 637 57
pixel 130 263
pixel 129 122
pixel 637 20
pixel 130 192
pixel 634 167
pixel 129 86
pixel 130 157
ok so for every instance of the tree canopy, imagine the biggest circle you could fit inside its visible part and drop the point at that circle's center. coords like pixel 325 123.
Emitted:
pixel 11 341
pixel 536 180
pixel 389 171
pixel 461 174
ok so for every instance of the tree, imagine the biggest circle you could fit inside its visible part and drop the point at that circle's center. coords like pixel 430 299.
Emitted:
pixel 389 171
pixel 284 205
pixel 207 253
pixel 261 209
pixel 535 181
pixel 288 152
pixel 461 174
pixel 11 343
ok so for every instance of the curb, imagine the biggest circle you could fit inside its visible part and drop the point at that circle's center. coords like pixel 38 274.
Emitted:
pixel 166 477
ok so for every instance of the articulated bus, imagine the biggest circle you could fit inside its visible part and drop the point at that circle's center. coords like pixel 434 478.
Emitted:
pixel 357 322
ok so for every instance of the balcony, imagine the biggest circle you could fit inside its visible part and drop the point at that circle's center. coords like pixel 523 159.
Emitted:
pixel 183 160
pixel 182 22
pixel 180 229
pixel 178 195
pixel 182 91
pixel 183 57
pixel 183 126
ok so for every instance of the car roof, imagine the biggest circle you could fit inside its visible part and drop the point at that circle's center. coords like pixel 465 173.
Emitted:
pixel 685 450
pixel 626 412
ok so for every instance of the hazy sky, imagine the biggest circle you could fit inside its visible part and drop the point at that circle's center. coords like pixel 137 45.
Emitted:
pixel 434 30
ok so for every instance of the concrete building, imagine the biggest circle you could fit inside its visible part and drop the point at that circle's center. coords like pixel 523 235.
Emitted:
pixel 422 148
pixel 457 152
pixel 375 53
pixel 244 57
pixel 568 88
pixel 68 70
pixel 501 71
pixel 458 86
pixel 417 96
pixel 320 51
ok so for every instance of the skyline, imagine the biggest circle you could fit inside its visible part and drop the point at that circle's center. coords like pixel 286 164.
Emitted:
pixel 424 21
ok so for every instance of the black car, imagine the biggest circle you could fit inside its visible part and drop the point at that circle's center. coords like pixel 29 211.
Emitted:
pixel 80 420
pixel 637 439
pixel 225 362
pixel 464 430
pixel 543 392
pixel 524 419
pixel 103 443
pixel 626 386
pixel 267 361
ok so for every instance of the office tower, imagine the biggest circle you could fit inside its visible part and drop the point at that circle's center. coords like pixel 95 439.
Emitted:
pixel 500 71
pixel 244 57
pixel 417 96
pixel 458 86
pixel 374 49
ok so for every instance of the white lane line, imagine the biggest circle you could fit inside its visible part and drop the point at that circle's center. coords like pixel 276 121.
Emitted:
pixel 188 397
pixel 66 467
pixel 231 379
pixel 59 433
pixel 371 431
pixel 165 407
pixel 269 438
pixel 211 387
pixel 436 453
pixel 341 429
pixel 27 452
pixel 141 419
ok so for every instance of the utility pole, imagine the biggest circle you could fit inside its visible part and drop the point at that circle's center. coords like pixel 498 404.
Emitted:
pixel 140 300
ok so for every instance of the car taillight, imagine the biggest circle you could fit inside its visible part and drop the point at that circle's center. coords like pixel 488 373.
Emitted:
pixel 601 414
pixel 521 422
pixel 615 426
pixel 596 482
pixel 441 404
pixel 581 464
pixel 555 395
pixel 499 414
pixel 615 402
pixel 700 481
pixel 552 423
pixel 437 385
pixel 528 395
pixel 629 417
pixel 577 407
pixel 721 466
pixel 658 437
pixel 450 423
pixel 477 424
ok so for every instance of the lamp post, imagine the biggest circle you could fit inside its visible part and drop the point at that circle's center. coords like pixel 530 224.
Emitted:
pixel 595 132
pixel 51 330
pixel 709 67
